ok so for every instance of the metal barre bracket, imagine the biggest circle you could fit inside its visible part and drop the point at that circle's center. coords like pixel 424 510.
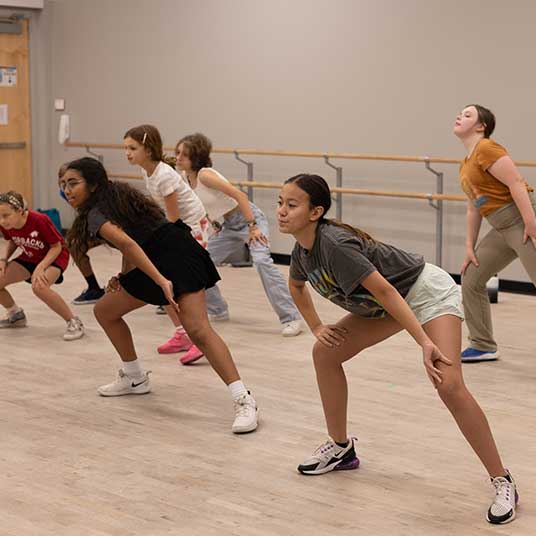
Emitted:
pixel 100 157
pixel 338 183
pixel 249 166
pixel 437 205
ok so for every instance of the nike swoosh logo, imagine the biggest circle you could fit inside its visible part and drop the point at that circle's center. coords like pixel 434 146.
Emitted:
pixel 138 384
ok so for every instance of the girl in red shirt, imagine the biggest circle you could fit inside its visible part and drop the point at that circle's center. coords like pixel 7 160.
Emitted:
pixel 42 262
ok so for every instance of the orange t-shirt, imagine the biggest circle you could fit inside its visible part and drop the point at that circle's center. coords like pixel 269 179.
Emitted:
pixel 485 191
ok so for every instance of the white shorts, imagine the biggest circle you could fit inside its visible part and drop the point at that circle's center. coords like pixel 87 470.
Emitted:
pixel 434 294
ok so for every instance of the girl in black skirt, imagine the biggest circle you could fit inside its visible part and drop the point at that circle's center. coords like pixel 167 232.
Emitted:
pixel 162 264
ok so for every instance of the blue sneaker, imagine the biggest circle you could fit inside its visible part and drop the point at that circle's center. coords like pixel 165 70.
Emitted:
pixel 472 355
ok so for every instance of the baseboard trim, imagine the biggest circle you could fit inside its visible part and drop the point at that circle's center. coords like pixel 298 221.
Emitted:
pixel 505 285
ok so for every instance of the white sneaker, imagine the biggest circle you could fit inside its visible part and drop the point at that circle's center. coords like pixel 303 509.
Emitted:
pixel 503 507
pixel 125 385
pixel 220 317
pixel 292 328
pixel 245 414
pixel 75 330
pixel 331 457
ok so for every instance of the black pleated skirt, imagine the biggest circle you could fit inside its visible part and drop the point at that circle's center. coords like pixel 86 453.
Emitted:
pixel 179 258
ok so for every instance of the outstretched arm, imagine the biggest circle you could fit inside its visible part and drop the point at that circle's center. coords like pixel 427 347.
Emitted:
pixel 506 171
pixel 397 307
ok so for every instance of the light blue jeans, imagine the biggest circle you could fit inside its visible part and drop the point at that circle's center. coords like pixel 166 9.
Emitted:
pixel 227 242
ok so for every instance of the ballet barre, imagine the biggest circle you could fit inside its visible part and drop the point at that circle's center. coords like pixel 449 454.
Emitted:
pixel 435 199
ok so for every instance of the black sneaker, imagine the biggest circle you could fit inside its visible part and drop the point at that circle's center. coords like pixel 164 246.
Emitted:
pixel 90 295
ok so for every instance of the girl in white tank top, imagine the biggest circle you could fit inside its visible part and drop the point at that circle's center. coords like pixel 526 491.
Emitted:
pixel 243 224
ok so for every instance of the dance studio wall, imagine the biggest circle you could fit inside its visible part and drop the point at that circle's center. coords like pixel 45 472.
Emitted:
pixel 368 76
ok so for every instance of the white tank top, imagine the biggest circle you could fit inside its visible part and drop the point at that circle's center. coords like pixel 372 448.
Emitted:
pixel 216 203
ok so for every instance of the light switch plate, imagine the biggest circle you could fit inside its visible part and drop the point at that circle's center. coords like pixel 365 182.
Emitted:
pixel 59 105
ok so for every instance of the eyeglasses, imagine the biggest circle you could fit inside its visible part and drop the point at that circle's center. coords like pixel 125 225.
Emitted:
pixel 70 185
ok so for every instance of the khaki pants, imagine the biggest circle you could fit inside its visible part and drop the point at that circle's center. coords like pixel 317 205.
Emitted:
pixel 502 245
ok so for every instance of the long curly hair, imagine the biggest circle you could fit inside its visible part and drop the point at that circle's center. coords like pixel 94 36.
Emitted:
pixel 122 204
pixel 319 194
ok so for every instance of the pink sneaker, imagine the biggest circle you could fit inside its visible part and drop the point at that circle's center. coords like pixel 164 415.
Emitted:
pixel 191 356
pixel 180 342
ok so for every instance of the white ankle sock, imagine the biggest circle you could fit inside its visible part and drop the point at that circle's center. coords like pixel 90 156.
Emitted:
pixel 133 368
pixel 12 310
pixel 237 389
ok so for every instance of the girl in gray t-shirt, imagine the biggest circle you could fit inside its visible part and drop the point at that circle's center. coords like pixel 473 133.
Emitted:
pixel 384 290
pixel 163 264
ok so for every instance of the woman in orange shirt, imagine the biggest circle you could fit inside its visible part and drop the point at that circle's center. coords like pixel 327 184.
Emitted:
pixel 496 191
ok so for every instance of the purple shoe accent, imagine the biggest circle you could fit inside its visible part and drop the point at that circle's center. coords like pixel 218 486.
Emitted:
pixel 346 466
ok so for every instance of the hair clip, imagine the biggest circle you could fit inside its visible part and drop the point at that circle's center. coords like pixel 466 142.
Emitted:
pixel 11 200
pixel 144 138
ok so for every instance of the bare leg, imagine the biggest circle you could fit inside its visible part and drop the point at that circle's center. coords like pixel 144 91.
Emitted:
pixel 361 334
pixel 109 312
pixel 14 273
pixel 445 332
pixel 193 314
pixel 173 316
pixel 51 297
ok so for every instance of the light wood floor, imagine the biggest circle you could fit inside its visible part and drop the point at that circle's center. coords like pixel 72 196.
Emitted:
pixel 72 463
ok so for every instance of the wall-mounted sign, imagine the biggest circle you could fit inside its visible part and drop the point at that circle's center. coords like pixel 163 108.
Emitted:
pixel 8 76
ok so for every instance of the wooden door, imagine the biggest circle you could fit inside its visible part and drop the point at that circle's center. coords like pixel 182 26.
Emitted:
pixel 15 134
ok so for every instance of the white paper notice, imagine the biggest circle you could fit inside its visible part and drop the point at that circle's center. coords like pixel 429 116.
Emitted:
pixel 3 114
pixel 8 76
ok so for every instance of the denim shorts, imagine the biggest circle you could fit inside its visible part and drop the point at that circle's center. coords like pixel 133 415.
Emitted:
pixel 434 294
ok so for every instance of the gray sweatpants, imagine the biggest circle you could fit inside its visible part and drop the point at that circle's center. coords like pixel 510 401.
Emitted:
pixel 227 242
pixel 498 248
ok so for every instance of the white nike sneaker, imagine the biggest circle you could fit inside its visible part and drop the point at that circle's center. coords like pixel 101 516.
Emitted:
pixel 331 457
pixel 245 414
pixel 125 385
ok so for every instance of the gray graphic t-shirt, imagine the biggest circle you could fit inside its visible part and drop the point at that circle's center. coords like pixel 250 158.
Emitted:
pixel 340 260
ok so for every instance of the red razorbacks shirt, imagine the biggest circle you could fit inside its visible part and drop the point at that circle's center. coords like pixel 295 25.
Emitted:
pixel 35 239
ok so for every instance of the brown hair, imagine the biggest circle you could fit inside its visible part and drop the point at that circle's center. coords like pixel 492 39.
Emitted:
pixel 320 196
pixel 122 204
pixel 198 147
pixel 486 118
pixel 149 137
pixel 14 200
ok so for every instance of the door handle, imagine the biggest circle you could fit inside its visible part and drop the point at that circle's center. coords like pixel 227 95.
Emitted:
pixel 13 145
